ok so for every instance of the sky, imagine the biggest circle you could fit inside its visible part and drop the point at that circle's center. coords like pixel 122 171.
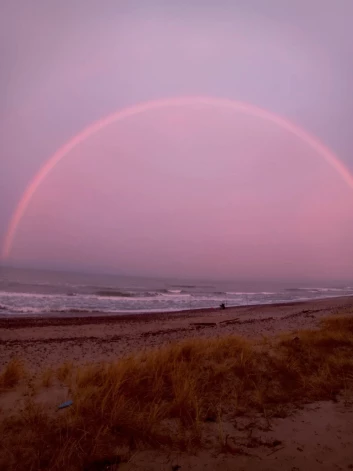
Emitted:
pixel 181 190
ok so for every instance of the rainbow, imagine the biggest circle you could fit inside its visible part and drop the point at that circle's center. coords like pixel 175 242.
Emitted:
pixel 120 115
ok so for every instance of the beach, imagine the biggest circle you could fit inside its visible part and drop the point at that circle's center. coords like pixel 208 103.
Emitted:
pixel 68 357
pixel 47 341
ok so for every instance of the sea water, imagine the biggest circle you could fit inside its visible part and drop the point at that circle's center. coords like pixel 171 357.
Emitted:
pixel 39 292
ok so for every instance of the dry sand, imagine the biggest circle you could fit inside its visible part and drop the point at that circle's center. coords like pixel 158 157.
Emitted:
pixel 318 437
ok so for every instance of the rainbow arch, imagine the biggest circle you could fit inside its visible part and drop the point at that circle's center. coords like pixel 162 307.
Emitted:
pixel 120 115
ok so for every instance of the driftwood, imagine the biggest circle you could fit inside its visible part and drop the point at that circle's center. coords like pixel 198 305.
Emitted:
pixel 206 324
pixel 230 321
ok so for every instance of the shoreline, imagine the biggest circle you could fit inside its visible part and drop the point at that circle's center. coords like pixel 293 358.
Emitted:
pixel 8 312
pixel 49 341
pixel 96 316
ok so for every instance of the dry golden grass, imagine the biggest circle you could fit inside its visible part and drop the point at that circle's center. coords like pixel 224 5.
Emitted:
pixel 47 378
pixel 11 375
pixel 64 372
pixel 163 398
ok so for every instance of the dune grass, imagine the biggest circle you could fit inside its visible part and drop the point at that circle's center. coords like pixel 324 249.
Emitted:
pixel 165 397
pixel 47 378
pixel 11 375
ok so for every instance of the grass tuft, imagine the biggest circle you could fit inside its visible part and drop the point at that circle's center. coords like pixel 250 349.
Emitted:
pixel 64 372
pixel 11 375
pixel 47 378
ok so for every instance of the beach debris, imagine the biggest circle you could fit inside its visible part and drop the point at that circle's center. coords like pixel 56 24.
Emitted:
pixel 275 451
pixel 65 404
pixel 204 324
pixel 276 443
pixel 211 418
pixel 109 463
pixel 230 321
pixel 176 467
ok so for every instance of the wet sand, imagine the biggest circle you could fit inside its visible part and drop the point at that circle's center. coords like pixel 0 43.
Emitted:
pixel 49 341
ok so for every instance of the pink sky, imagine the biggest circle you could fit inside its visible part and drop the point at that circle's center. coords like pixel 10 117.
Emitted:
pixel 189 191
pixel 192 191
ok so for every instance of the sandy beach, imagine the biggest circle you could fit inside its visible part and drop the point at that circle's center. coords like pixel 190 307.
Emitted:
pixel 47 341
pixel 316 434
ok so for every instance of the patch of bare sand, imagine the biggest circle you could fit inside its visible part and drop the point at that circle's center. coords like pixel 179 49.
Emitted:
pixel 318 437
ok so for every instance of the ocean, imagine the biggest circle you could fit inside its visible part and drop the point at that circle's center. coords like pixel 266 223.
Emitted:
pixel 25 292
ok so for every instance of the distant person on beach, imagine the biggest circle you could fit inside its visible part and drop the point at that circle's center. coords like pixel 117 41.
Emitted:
pixel 222 306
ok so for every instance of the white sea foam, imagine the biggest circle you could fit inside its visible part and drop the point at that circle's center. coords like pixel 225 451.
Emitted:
pixel 129 295
pixel 239 293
